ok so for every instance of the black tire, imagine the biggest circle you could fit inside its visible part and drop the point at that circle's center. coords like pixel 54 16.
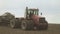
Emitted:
pixel 46 25
pixel 39 27
pixel 13 23
pixel 42 27
pixel 27 25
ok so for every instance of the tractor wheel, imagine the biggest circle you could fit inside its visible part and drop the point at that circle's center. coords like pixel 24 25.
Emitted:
pixel 42 27
pixel 39 27
pixel 13 23
pixel 27 25
pixel 46 25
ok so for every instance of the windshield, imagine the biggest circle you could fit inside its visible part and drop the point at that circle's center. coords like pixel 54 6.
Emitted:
pixel 36 12
pixel 33 12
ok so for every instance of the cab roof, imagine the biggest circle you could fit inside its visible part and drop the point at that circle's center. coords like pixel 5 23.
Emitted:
pixel 33 9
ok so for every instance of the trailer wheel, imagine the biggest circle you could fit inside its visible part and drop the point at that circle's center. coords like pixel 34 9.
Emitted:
pixel 13 23
pixel 27 25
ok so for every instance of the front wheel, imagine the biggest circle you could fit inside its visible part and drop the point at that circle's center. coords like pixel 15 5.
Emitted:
pixel 46 25
pixel 43 26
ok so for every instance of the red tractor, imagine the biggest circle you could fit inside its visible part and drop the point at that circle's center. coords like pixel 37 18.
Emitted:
pixel 31 20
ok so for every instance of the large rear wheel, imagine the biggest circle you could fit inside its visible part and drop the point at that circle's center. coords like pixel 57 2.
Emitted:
pixel 27 25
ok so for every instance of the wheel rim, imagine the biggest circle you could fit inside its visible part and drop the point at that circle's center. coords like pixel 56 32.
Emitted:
pixel 23 25
pixel 12 24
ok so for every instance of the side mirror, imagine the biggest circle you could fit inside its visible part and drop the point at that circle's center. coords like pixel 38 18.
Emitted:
pixel 41 13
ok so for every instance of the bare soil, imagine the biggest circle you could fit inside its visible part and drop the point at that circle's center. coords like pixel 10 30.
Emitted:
pixel 52 29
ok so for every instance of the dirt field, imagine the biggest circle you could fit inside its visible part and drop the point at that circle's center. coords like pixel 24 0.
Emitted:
pixel 52 29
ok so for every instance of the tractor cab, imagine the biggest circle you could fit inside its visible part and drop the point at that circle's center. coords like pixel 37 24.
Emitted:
pixel 33 14
pixel 30 12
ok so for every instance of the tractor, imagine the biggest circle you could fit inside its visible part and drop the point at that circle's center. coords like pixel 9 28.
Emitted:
pixel 30 20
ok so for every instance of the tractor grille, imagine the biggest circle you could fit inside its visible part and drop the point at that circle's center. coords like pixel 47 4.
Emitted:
pixel 41 20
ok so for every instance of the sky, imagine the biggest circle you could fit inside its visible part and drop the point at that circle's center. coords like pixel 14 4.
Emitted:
pixel 50 8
